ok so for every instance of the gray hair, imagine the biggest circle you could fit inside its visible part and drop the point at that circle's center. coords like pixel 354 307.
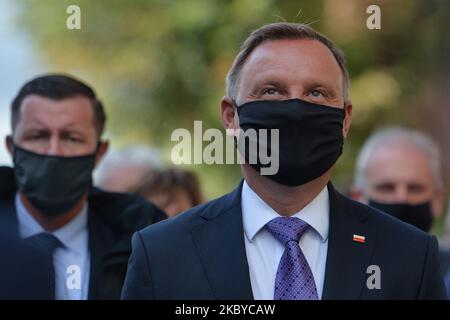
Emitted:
pixel 281 31
pixel 402 135
pixel 142 156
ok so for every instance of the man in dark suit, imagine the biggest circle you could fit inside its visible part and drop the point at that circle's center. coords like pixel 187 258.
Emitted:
pixel 48 200
pixel 284 232
pixel 398 171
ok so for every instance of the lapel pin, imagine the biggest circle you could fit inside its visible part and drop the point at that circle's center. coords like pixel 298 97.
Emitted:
pixel 358 238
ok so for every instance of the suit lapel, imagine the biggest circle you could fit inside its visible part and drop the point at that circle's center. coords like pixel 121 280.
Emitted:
pixel 96 248
pixel 221 248
pixel 107 249
pixel 347 260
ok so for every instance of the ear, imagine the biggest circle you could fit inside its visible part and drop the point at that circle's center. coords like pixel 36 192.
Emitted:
pixel 9 144
pixel 102 149
pixel 348 107
pixel 228 113
pixel 437 203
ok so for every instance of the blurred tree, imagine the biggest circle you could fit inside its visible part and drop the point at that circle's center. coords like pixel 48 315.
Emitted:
pixel 161 64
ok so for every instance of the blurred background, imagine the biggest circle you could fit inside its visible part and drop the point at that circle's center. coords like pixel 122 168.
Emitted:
pixel 160 65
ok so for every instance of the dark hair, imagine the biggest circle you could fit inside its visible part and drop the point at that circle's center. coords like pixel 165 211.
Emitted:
pixel 169 181
pixel 58 87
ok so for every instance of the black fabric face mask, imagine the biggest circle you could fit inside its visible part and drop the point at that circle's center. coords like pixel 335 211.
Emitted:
pixel 419 215
pixel 310 137
pixel 53 184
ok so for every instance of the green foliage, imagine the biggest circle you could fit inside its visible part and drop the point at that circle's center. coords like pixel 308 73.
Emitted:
pixel 159 65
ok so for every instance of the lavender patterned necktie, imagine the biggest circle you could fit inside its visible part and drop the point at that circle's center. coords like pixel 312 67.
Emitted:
pixel 294 280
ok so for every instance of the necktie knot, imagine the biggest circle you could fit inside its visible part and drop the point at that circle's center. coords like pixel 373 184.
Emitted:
pixel 287 229
pixel 45 242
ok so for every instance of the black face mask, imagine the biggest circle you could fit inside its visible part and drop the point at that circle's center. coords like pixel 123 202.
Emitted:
pixel 418 215
pixel 53 184
pixel 310 137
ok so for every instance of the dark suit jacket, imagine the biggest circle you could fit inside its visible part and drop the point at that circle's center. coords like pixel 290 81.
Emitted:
pixel 201 255
pixel 24 272
pixel 112 219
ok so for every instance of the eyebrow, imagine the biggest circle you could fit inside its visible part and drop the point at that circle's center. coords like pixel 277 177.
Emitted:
pixel 259 83
pixel 416 184
pixel 318 83
pixel 37 125
pixel 384 184
pixel 71 131
pixel 39 131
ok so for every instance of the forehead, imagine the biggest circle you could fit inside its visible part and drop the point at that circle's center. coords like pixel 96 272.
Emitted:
pixel 75 110
pixel 399 161
pixel 295 57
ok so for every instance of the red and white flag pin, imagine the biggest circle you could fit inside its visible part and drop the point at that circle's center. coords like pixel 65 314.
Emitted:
pixel 358 238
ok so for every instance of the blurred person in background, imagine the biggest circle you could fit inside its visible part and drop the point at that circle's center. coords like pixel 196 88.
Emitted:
pixel 122 170
pixel 48 199
pixel 174 190
pixel 398 171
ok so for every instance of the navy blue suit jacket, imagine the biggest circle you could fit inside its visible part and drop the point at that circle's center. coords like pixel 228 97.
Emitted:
pixel 201 255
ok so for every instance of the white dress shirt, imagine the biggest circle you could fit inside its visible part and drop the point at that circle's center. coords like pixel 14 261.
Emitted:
pixel 264 251
pixel 71 261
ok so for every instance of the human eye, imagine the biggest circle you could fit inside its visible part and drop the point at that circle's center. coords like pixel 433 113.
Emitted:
pixel 317 93
pixel 270 91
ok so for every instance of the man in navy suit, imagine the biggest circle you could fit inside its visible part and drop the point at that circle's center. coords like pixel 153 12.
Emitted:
pixel 285 233
pixel 47 199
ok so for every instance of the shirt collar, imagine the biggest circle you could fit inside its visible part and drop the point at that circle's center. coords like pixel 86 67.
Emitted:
pixel 257 213
pixel 71 234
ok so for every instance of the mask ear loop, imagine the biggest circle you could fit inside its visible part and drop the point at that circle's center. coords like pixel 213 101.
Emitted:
pixel 235 104
pixel 97 148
